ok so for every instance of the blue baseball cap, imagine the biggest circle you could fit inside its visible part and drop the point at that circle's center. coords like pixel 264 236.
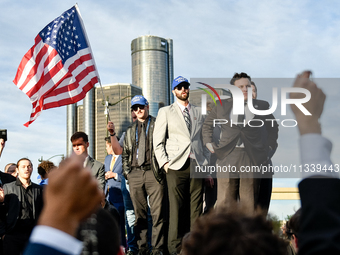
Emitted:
pixel 139 99
pixel 179 80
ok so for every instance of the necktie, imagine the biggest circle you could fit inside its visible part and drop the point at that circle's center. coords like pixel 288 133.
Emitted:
pixel 240 119
pixel 113 161
pixel 187 119
pixel 141 147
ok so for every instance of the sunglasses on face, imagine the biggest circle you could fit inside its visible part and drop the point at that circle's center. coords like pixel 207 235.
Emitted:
pixel 183 85
pixel 135 107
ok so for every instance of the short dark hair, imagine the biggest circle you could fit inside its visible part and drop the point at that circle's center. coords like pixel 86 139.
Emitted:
pixel 238 76
pixel 221 232
pixel 78 135
pixel 22 160
pixel 253 83
pixel 108 139
pixel 45 167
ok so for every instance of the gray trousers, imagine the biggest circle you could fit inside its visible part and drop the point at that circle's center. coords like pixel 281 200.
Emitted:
pixel 143 184
pixel 238 186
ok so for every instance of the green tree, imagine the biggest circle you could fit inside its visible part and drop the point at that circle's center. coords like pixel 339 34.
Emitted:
pixel 276 223
pixel 287 218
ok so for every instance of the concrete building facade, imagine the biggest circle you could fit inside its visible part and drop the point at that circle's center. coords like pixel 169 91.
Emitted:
pixel 119 111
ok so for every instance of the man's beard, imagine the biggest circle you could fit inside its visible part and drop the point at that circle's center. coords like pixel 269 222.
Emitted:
pixel 183 98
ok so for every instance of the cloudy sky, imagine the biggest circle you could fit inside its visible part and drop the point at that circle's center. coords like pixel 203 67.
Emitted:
pixel 266 39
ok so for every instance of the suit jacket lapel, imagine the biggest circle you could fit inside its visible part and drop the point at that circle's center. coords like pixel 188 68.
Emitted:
pixel 228 108
pixel 90 163
pixel 180 116
pixel 194 117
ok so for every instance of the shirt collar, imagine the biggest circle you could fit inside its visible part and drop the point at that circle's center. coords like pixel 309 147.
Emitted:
pixel 19 183
pixel 182 107
pixel 86 160
pixel 145 121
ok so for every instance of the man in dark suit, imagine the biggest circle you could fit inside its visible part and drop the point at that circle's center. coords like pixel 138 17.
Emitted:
pixel 241 145
pixel 178 144
pixel 23 203
pixel 80 143
pixel 266 182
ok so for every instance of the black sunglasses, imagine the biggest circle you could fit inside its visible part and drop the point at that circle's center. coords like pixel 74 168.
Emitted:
pixel 181 85
pixel 135 107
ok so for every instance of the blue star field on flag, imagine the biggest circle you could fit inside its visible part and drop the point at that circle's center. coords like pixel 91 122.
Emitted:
pixel 65 34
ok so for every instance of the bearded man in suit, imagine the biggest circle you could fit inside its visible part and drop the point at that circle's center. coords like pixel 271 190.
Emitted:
pixel 246 140
pixel 177 143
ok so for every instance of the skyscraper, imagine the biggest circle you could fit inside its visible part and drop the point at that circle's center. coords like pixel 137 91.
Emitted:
pixel 152 69
pixel 120 112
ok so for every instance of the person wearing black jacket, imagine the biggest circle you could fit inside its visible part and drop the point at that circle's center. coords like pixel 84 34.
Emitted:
pixel 243 143
pixel 141 169
pixel 23 202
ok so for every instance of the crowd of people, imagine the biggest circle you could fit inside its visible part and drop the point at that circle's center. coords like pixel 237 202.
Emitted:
pixel 146 198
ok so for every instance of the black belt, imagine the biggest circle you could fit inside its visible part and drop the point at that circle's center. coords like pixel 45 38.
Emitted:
pixel 144 168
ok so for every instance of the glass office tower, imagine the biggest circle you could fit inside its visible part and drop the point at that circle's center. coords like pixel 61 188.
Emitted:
pixel 152 69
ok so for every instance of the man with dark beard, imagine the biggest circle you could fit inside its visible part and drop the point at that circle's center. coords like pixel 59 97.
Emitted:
pixel 177 144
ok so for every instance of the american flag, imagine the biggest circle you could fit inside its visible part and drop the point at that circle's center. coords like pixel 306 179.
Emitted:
pixel 59 69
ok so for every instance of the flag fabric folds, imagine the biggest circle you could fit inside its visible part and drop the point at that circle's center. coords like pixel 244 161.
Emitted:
pixel 59 69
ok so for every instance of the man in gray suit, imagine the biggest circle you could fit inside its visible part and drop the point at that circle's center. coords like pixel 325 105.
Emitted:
pixel 80 143
pixel 177 144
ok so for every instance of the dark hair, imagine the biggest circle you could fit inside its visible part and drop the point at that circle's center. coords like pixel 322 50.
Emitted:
pixel 253 83
pixel 78 135
pixel 108 139
pixel 238 76
pixel 45 167
pixel 221 232
pixel 293 225
pixel 22 160
pixel 9 165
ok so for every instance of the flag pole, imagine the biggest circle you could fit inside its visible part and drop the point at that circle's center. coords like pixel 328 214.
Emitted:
pixel 88 43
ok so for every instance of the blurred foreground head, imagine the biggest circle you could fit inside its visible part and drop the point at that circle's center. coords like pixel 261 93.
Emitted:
pixel 223 232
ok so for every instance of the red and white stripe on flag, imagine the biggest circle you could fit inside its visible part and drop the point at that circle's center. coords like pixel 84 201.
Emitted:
pixel 51 77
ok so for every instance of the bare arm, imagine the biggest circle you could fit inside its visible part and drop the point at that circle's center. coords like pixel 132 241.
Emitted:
pixel 314 148
pixel 308 123
pixel 2 145
pixel 117 149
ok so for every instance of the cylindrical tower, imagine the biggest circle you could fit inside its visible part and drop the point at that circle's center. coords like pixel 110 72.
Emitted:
pixel 151 67
pixel 89 120
pixel 171 68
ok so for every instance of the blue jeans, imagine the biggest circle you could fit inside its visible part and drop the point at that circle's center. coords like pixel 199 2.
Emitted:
pixel 130 217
